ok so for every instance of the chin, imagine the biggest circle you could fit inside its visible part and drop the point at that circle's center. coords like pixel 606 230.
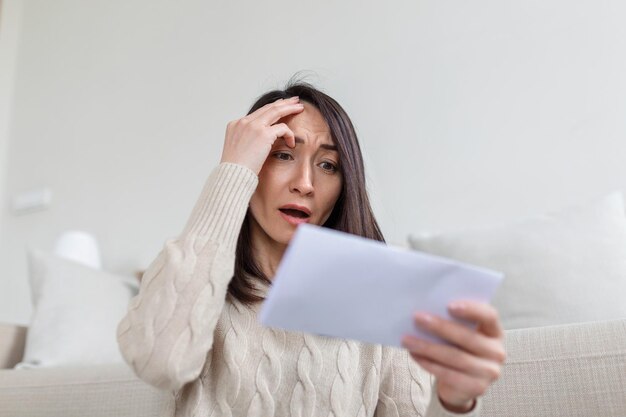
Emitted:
pixel 281 237
pixel 286 237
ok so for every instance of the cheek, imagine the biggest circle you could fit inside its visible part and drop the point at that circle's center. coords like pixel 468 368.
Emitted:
pixel 258 199
pixel 331 198
pixel 271 180
pixel 255 204
pixel 266 191
pixel 336 190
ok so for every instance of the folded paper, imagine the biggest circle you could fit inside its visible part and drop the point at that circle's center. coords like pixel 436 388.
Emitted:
pixel 336 284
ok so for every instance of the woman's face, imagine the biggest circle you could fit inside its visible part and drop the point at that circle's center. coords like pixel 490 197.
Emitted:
pixel 306 177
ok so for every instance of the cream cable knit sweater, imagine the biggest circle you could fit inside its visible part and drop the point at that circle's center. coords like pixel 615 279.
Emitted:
pixel 182 334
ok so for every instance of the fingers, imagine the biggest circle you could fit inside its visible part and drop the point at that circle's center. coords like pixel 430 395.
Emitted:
pixel 466 338
pixel 272 112
pixel 258 112
pixel 457 381
pixel 255 114
pixel 249 140
pixel 452 357
pixel 275 113
pixel 466 369
pixel 282 130
pixel 262 109
pixel 484 314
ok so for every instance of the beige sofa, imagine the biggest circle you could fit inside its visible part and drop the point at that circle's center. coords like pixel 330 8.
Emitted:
pixel 567 370
pixel 94 391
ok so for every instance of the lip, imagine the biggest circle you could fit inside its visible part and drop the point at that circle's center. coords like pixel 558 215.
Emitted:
pixel 297 207
pixel 293 220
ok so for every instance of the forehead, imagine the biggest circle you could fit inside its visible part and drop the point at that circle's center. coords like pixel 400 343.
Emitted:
pixel 310 122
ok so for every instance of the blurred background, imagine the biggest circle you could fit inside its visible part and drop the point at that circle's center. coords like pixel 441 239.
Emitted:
pixel 112 113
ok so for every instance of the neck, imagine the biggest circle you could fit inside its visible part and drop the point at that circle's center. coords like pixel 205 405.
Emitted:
pixel 267 251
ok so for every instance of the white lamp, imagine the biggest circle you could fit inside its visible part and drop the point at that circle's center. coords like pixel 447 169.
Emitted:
pixel 78 246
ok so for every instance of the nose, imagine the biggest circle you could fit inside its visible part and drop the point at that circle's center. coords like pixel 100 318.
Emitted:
pixel 302 180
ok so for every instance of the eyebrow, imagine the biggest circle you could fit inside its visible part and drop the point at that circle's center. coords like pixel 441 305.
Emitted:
pixel 323 145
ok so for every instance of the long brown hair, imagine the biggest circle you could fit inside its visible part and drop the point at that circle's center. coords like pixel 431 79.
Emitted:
pixel 352 212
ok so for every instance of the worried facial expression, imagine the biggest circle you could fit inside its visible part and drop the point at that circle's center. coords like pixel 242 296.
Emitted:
pixel 300 184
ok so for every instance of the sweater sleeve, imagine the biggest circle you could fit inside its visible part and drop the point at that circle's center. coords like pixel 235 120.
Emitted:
pixel 168 328
pixel 408 390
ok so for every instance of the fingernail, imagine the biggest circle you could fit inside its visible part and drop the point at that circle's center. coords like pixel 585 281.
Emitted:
pixel 457 306
pixel 424 318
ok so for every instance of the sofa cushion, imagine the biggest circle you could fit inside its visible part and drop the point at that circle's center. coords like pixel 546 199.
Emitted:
pixel 96 391
pixel 567 370
pixel 563 267
pixel 75 313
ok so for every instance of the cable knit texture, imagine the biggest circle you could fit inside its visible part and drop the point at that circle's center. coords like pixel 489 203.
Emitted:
pixel 183 334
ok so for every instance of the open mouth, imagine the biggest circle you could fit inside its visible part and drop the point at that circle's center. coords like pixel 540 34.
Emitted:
pixel 299 214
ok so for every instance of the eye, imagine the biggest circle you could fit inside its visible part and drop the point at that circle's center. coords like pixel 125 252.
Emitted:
pixel 328 166
pixel 283 156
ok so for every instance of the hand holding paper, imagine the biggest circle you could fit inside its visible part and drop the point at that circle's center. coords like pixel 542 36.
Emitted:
pixel 341 285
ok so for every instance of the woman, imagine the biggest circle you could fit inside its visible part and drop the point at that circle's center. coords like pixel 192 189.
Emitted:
pixel 192 329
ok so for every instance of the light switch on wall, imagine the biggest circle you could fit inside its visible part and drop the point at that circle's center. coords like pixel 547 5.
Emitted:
pixel 30 201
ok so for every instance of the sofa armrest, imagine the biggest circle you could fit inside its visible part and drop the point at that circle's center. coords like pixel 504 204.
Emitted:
pixel 110 390
pixel 573 370
pixel 12 342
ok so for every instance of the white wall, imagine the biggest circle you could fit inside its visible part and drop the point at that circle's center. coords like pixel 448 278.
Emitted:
pixel 10 14
pixel 469 112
